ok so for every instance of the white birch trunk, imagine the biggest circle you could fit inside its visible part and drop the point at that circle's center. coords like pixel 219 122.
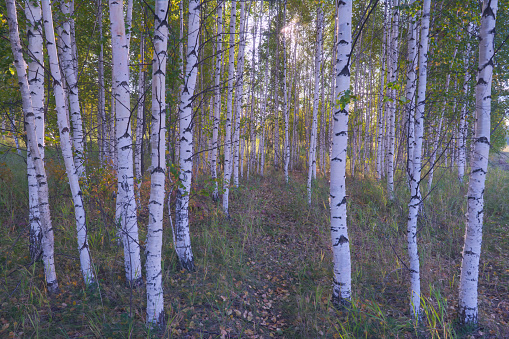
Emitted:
pixel 217 98
pixel 393 77
pixel 342 281
pixel 462 124
pixel 101 95
pixel 229 108
pixel 286 110
pixel 155 300
pixel 66 146
pixel 415 175
pixel 140 116
pixel 182 235
pixel 68 66
pixel 411 85
pixel 238 94
pixel 468 308
pixel 36 82
pixel 47 241
pixel 126 202
pixel 316 99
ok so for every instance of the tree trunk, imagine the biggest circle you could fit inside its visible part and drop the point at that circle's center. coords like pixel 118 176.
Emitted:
pixel 238 94
pixel 155 299
pixel 36 82
pixel 68 66
pixel 316 100
pixel 469 278
pixel 47 240
pixel 182 235
pixel 217 98
pixel 342 281
pixel 126 202
pixel 229 107
pixel 393 77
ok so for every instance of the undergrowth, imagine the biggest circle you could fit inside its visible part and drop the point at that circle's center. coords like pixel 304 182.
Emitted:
pixel 265 272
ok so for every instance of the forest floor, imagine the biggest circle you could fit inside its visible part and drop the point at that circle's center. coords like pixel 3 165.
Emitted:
pixel 265 272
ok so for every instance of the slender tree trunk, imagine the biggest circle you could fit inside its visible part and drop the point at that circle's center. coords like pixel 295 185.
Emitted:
pixel 229 107
pixel 68 66
pixel 217 98
pixel 126 202
pixel 411 85
pixel 66 146
pixel 286 113
pixel 36 82
pixel 469 278
pixel 393 77
pixel 101 105
pixel 238 94
pixel 47 240
pixel 415 175
pixel 342 281
pixel 182 236
pixel 140 116
pixel 155 299
pixel 462 124
pixel 316 100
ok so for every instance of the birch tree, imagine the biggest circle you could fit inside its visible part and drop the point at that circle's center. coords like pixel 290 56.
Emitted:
pixel 155 300
pixel 342 280
pixel 47 238
pixel 126 202
pixel 469 278
pixel 316 99
pixel 391 112
pixel 217 97
pixel 36 82
pixel 415 173
pixel 229 108
pixel 182 235
pixel 67 62
pixel 66 146
pixel 239 93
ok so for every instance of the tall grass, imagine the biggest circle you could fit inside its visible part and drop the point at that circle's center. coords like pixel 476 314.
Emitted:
pixel 266 271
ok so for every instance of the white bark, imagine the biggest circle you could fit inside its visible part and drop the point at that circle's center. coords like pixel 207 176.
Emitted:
pixel 286 110
pixel 155 302
pixel 66 56
pixel 342 281
pixel 182 235
pixel 140 116
pixel 65 144
pixel 101 105
pixel 393 77
pixel 229 107
pixel 217 98
pixel 239 94
pixel 126 202
pixel 316 100
pixel 251 151
pixel 36 82
pixel 411 85
pixel 415 175
pixel 468 308
pixel 462 125
pixel 47 240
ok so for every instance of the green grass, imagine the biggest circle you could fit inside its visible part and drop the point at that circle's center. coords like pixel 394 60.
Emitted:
pixel 265 272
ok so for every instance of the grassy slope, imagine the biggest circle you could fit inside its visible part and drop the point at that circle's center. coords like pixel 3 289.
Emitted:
pixel 266 272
